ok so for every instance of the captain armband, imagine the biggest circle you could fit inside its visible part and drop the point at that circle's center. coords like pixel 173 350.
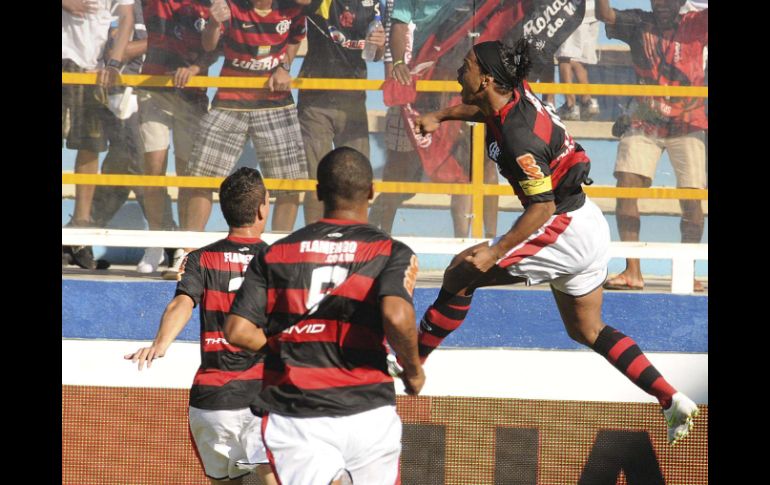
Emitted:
pixel 536 186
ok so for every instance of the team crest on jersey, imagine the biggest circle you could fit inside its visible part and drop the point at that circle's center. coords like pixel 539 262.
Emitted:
pixel 283 26
pixel 494 151
pixel 200 24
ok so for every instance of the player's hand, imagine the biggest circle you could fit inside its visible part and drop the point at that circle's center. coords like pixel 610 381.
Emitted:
pixel 145 355
pixel 280 80
pixel 377 37
pixel 402 74
pixel 183 74
pixel 413 382
pixel 220 11
pixel 107 77
pixel 483 258
pixel 79 8
pixel 427 123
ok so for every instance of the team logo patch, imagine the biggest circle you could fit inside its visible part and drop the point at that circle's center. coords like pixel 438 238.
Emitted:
pixel 530 167
pixel 537 186
pixel 494 151
pixel 283 26
pixel 410 275
pixel 200 24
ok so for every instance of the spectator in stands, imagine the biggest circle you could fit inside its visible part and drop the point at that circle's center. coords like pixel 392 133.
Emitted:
pixel 412 25
pixel 337 34
pixel 260 39
pixel 84 26
pixel 225 433
pixel 577 50
pixel 666 49
pixel 174 29
pixel 125 154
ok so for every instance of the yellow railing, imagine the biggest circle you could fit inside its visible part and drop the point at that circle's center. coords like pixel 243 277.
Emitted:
pixel 476 188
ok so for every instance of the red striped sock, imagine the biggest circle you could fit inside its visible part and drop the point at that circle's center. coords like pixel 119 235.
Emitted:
pixel 442 318
pixel 622 352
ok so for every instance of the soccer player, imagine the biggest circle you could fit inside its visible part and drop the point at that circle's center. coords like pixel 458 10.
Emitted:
pixel 322 302
pixel 561 237
pixel 225 432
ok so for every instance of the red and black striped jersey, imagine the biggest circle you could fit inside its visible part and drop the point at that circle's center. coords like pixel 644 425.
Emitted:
pixel 229 377
pixel 174 29
pixel 534 151
pixel 254 45
pixel 316 293
pixel 670 58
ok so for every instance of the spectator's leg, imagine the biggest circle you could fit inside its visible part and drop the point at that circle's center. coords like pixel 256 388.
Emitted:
pixel 581 75
pixel 187 125
pixel 277 140
pixel 637 158
pixel 565 76
pixel 491 202
pixel 122 148
pixel 399 167
pixel 688 158
pixel 87 162
pixel 183 195
pixel 317 135
pixel 460 207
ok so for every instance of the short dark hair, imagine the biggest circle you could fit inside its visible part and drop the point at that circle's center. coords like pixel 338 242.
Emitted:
pixel 240 196
pixel 344 174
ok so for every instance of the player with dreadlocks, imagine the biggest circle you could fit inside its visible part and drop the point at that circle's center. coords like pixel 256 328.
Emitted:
pixel 561 238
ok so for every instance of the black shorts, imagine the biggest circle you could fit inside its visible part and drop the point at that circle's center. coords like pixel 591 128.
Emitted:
pixel 82 114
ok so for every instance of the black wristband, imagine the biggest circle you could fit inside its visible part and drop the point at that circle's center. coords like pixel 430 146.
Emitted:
pixel 285 66
pixel 115 64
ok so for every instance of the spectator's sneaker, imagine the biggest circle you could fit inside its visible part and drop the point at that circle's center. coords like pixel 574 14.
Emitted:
pixel 66 255
pixel 83 256
pixel 679 417
pixel 175 269
pixel 569 113
pixel 150 261
pixel 589 109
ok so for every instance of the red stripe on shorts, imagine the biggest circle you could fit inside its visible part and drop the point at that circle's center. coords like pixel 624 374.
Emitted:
pixel 532 247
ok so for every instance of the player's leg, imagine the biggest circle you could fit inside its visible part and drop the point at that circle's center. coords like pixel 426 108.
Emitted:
pixel 215 435
pixel 374 446
pixel 451 306
pixel 305 451
pixel 583 321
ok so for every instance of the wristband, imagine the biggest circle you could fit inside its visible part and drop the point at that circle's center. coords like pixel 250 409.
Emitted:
pixel 400 61
pixel 115 64
pixel 285 66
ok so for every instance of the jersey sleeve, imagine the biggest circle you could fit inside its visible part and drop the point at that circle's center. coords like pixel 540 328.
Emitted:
pixel 626 24
pixel 191 282
pixel 399 276
pixel 298 29
pixel 532 172
pixel 251 300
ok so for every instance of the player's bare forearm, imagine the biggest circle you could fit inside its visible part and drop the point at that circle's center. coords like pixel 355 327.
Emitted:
pixel 134 49
pixel 533 217
pixel 242 333
pixel 400 330
pixel 174 319
pixel 460 112
pixel 604 12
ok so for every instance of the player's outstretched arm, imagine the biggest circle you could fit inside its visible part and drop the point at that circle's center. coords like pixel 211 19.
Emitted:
pixel 400 329
pixel 174 319
pixel 429 122
pixel 242 333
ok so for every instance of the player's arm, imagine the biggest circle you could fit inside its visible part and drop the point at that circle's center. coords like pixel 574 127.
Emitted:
pixel 175 317
pixel 247 317
pixel 243 333
pixel 398 322
pixel 428 123
pixel 534 216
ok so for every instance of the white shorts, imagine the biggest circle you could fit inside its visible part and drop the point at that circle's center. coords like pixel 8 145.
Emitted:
pixel 569 251
pixel 228 442
pixel 362 448
pixel 581 45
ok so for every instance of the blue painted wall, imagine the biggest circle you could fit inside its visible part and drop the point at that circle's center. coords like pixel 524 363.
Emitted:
pixel 498 317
